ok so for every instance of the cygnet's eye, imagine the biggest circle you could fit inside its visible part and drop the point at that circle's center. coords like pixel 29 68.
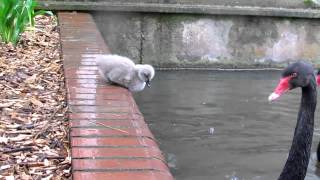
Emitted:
pixel 294 74
pixel 146 76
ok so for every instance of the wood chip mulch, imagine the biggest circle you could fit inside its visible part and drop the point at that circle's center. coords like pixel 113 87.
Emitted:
pixel 33 124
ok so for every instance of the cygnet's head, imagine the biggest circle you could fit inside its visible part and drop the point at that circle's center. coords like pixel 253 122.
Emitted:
pixel 145 73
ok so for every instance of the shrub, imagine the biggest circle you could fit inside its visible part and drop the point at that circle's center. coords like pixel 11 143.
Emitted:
pixel 15 16
pixel 313 3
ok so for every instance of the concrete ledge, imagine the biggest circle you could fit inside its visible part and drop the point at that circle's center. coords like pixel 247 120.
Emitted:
pixel 109 137
pixel 295 10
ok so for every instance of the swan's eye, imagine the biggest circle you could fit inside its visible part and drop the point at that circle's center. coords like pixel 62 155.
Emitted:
pixel 294 74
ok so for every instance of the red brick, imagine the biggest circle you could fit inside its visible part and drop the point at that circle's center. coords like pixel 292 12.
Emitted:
pixel 106 116
pixel 75 90
pixel 107 87
pixel 87 76
pixel 100 109
pixel 118 164
pixel 114 90
pixel 116 152
pixel 92 57
pixel 82 81
pixel 100 102
pixel 85 63
pixel 71 73
pixel 88 59
pixel 84 72
pixel 100 90
pixel 87 81
pixel 118 141
pixel 82 96
pixel 123 175
pixel 111 132
pixel 115 123
pixel 71 63
pixel 99 96
pixel 75 84
pixel 88 97
pixel 88 68
pixel 75 15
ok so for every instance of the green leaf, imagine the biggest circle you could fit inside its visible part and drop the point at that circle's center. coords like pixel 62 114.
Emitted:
pixel 43 12
pixel 15 16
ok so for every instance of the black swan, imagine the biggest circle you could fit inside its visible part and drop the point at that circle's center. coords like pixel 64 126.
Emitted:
pixel 299 74
pixel 318 82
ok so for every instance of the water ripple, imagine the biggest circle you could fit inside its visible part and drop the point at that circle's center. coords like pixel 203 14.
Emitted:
pixel 219 125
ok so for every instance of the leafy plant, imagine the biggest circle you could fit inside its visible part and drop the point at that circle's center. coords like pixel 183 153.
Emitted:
pixel 315 3
pixel 15 16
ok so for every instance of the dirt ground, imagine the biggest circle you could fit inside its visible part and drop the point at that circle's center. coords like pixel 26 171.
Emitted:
pixel 34 133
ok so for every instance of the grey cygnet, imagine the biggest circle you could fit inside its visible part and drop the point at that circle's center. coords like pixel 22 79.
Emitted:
pixel 122 71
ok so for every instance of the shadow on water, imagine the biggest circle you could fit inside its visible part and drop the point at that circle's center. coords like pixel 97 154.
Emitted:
pixel 219 125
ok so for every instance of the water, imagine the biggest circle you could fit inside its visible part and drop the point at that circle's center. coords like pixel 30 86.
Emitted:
pixel 215 125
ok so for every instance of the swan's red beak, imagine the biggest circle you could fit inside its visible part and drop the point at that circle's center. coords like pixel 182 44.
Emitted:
pixel 318 79
pixel 282 87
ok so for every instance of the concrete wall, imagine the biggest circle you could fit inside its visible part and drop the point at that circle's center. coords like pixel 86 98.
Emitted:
pixel 205 33
pixel 283 8
pixel 260 3
pixel 189 40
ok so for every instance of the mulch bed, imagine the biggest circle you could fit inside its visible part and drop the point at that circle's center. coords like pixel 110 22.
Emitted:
pixel 34 129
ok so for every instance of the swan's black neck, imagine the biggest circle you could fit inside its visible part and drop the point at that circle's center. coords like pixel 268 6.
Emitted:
pixel 298 159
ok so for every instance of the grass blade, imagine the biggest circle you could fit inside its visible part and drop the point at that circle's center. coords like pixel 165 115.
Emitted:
pixel 15 16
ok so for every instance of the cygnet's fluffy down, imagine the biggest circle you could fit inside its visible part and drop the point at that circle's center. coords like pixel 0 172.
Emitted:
pixel 122 71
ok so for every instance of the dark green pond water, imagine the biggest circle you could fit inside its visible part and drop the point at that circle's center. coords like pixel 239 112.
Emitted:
pixel 215 125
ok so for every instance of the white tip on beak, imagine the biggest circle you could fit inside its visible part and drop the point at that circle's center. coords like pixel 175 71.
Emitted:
pixel 273 96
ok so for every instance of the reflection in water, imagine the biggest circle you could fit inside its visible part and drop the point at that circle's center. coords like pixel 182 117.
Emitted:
pixel 219 125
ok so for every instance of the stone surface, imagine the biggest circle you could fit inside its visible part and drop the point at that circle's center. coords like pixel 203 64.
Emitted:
pixel 205 34
pixel 288 8
pixel 182 40
pixel 126 33
pixel 262 3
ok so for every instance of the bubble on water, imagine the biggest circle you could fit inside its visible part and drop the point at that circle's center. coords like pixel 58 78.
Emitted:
pixel 232 176
pixel 211 130
pixel 257 178
pixel 172 160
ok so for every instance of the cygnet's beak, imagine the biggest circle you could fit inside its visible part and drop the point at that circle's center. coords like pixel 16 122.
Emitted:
pixel 281 88
pixel 148 83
